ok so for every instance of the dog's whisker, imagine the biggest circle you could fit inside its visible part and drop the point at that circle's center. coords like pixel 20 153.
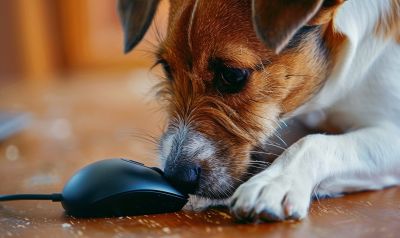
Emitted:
pixel 274 145
pixel 280 138
pixel 283 122
pixel 264 153
pixel 144 135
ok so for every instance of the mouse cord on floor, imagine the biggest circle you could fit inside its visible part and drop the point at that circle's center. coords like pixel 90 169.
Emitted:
pixel 55 197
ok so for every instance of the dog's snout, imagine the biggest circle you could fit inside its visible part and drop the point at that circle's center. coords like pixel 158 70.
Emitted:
pixel 186 155
pixel 185 176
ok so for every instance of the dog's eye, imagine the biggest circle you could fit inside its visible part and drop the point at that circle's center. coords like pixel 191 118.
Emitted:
pixel 230 80
pixel 166 68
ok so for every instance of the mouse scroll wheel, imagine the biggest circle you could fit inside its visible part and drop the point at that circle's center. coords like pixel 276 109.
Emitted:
pixel 158 170
pixel 133 162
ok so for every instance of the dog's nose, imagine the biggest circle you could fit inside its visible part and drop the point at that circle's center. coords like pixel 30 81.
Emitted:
pixel 185 176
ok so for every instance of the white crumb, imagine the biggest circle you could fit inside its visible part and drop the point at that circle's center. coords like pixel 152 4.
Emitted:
pixel 66 225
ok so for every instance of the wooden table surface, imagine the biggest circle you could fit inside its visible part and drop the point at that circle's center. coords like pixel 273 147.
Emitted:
pixel 76 122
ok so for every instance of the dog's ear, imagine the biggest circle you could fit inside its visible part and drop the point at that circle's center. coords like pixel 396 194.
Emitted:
pixel 277 21
pixel 136 17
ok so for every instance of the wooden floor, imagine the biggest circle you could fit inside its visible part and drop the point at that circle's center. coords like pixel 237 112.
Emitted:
pixel 76 122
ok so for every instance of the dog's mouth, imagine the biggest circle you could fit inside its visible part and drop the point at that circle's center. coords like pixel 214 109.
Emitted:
pixel 221 181
pixel 216 179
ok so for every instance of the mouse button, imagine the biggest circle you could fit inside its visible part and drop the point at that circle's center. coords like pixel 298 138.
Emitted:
pixel 153 179
pixel 96 180
pixel 75 189
pixel 125 180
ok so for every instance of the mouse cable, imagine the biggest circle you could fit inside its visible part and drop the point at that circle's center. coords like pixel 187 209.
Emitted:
pixel 55 197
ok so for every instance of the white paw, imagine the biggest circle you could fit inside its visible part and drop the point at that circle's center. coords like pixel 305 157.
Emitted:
pixel 271 198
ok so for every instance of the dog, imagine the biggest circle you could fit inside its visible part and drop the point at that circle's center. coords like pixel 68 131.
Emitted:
pixel 237 70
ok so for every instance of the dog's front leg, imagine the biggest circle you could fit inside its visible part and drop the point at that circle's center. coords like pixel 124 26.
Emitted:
pixel 284 190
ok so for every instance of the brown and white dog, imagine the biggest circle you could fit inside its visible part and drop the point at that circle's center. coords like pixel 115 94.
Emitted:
pixel 238 69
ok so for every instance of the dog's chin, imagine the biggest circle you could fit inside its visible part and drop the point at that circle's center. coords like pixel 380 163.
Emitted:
pixel 220 185
pixel 216 190
pixel 200 203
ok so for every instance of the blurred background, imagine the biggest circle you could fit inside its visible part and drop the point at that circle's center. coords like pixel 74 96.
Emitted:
pixel 43 39
pixel 68 94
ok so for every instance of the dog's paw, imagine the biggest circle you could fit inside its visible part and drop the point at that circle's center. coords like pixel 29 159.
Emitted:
pixel 266 198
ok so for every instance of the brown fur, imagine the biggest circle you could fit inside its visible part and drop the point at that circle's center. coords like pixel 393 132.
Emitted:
pixel 326 13
pixel 388 25
pixel 278 84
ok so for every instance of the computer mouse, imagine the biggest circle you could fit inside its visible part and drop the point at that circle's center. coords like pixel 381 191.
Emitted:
pixel 120 187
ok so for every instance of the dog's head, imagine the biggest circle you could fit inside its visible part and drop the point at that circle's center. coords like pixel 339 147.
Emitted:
pixel 234 68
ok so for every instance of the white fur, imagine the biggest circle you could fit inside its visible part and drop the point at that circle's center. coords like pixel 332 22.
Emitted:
pixel 192 143
pixel 199 143
pixel 362 97
pixel 165 148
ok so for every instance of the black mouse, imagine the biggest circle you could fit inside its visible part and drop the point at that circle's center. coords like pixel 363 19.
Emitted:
pixel 120 187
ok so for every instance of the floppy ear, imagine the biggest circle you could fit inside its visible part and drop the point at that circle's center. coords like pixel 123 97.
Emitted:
pixel 276 21
pixel 136 17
